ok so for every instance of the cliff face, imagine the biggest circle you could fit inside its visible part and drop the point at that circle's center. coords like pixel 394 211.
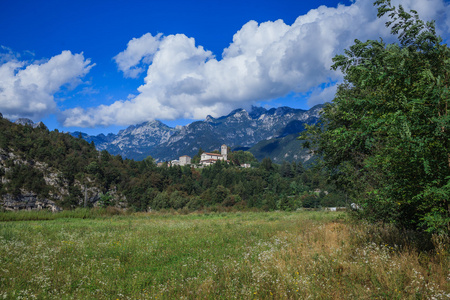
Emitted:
pixel 28 201
pixel 52 189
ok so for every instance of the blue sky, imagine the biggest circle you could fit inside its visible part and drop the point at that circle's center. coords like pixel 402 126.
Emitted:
pixel 99 66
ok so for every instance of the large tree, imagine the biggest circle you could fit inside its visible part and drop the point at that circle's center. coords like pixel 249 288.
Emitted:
pixel 386 136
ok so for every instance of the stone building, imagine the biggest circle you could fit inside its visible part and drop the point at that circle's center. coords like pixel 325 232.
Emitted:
pixel 208 159
pixel 185 160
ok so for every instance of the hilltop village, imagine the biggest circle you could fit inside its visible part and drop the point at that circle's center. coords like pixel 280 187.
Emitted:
pixel 206 159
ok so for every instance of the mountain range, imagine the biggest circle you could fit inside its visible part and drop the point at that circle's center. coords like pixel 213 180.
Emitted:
pixel 264 132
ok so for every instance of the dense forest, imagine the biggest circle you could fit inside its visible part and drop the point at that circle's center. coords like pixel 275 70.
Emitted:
pixel 59 167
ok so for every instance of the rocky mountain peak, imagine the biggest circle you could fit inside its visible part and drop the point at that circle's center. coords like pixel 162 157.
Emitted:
pixel 283 110
pixel 209 119
pixel 241 114
pixel 26 121
pixel 256 112
pixel 147 127
pixel 238 128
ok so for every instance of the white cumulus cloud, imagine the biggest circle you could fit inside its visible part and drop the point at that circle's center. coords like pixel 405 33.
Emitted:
pixel 138 51
pixel 27 90
pixel 264 61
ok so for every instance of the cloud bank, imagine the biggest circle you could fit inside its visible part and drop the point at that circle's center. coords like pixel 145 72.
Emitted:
pixel 27 90
pixel 183 80
pixel 265 61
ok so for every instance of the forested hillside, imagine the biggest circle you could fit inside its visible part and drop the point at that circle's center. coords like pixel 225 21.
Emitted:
pixel 45 164
pixel 49 165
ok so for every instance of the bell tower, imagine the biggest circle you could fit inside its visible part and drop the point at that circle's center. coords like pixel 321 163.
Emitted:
pixel 224 151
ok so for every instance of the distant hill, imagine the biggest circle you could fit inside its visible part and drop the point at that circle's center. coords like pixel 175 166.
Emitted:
pixel 286 148
pixel 240 130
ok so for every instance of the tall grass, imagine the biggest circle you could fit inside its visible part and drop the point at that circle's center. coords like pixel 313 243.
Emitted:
pixel 249 255
pixel 79 213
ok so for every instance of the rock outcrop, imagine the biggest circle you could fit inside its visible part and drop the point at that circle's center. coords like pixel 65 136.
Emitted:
pixel 27 201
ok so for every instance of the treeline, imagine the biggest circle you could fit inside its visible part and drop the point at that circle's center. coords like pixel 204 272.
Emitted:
pixel 59 167
pixel 266 186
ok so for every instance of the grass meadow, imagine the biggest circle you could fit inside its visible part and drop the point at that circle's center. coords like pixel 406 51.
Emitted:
pixel 241 255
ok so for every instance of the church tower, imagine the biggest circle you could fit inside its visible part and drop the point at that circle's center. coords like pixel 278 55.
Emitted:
pixel 224 151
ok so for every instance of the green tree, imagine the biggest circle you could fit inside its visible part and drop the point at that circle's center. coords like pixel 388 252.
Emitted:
pixel 178 200
pixel 220 194
pixel 196 158
pixel 242 157
pixel 105 200
pixel 266 164
pixel 161 201
pixel 286 170
pixel 299 169
pixel 73 199
pixel 385 137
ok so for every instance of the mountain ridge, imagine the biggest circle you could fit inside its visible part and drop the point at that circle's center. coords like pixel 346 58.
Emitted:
pixel 239 128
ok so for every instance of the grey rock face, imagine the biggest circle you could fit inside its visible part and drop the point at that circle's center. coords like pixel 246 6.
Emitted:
pixel 25 121
pixel 27 201
pixel 133 142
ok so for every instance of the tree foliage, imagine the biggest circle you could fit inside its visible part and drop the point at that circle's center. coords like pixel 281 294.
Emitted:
pixel 385 138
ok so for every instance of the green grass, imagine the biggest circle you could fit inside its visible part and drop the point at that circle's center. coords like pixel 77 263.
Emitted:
pixel 79 213
pixel 274 255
